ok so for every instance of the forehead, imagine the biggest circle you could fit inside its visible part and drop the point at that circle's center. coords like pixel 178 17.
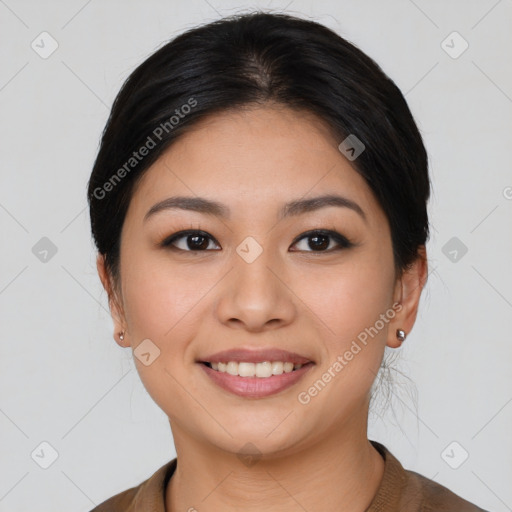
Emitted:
pixel 257 157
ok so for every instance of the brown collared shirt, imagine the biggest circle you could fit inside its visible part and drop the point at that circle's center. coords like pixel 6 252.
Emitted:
pixel 400 490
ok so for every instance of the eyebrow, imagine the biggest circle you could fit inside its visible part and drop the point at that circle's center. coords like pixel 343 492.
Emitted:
pixel 216 209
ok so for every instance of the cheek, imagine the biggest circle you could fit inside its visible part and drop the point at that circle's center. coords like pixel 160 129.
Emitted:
pixel 352 297
pixel 157 307
pixel 157 297
pixel 162 304
pixel 348 304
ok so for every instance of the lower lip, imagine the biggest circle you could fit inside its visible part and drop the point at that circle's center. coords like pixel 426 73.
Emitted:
pixel 255 387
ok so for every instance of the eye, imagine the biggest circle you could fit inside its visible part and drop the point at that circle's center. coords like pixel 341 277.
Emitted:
pixel 319 240
pixel 195 240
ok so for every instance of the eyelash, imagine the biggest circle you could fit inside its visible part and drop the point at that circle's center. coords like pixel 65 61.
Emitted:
pixel 342 241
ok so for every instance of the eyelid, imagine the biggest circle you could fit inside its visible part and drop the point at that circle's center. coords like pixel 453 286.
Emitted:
pixel 168 242
pixel 342 241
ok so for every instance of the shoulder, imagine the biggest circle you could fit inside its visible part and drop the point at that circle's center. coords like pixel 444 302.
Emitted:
pixel 148 495
pixel 120 502
pixel 432 496
pixel 403 490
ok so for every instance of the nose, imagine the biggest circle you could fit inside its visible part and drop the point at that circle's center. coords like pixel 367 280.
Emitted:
pixel 256 296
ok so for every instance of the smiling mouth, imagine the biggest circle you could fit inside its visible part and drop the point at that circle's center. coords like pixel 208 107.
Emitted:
pixel 261 370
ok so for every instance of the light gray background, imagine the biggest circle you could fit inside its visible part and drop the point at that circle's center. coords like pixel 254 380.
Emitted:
pixel 63 378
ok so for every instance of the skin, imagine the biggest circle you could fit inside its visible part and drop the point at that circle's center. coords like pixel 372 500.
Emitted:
pixel 293 296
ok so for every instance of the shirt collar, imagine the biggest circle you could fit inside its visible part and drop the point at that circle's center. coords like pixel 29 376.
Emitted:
pixel 150 495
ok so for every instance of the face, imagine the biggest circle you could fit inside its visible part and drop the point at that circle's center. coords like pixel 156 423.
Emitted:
pixel 318 282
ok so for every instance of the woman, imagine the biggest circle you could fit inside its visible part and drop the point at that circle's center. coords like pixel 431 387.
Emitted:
pixel 259 205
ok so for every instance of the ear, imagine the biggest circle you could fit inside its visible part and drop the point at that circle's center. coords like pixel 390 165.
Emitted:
pixel 407 292
pixel 114 303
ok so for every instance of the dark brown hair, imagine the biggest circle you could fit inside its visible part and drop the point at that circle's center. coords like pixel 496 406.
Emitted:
pixel 252 59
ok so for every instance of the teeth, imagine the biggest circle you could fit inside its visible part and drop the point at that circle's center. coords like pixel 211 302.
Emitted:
pixel 264 369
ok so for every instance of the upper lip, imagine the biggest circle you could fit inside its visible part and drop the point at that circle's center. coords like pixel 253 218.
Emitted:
pixel 255 356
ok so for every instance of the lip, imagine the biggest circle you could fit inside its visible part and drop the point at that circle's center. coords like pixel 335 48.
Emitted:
pixel 255 356
pixel 255 387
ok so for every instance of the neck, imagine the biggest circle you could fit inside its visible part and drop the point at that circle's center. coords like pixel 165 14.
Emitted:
pixel 338 473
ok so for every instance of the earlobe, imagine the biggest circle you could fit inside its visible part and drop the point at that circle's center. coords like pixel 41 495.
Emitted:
pixel 408 293
pixel 115 310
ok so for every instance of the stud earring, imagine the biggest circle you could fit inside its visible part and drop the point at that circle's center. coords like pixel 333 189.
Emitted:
pixel 400 334
pixel 121 335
